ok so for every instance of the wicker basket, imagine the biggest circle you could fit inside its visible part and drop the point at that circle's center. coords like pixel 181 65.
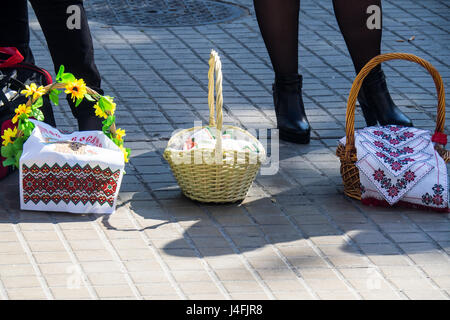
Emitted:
pixel 218 175
pixel 347 153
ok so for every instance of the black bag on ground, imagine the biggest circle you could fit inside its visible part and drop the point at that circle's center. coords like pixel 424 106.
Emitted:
pixel 14 75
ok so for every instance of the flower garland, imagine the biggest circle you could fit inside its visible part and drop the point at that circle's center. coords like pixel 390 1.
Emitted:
pixel 13 139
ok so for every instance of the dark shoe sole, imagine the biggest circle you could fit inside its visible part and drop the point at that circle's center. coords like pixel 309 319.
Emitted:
pixel 299 138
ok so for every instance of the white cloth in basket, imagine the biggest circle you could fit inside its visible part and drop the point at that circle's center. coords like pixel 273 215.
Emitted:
pixel 79 172
pixel 400 164
pixel 205 138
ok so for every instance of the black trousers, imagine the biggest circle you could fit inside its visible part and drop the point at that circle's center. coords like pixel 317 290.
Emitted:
pixel 71 47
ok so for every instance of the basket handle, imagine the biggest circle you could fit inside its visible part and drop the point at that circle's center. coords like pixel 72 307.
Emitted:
pixel 57 85
pixel 357 83
pixel 215 120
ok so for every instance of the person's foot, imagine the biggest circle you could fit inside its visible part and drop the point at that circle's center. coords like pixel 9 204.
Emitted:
pixel 290 111
pixel 376 102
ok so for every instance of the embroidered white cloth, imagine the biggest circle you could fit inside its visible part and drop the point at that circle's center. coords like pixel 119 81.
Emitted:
pixel 79 172
pixel 400 164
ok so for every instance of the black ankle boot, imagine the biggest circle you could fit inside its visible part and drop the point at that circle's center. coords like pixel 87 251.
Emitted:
pixel 289 109
pixel 376 102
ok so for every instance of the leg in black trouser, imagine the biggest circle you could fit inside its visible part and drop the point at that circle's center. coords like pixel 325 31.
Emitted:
pixel 72 48
pixel 278 22
pixel 14 30
pixel 363 44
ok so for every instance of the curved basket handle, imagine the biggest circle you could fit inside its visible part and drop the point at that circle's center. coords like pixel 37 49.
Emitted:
pixel 356 86
pixel 56 85
pixel 216 120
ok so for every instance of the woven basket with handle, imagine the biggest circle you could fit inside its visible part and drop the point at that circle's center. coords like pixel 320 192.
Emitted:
pixel 217 175
pixel 347 153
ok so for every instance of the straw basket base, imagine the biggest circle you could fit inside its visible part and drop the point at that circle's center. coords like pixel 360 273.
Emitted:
pixel 215 183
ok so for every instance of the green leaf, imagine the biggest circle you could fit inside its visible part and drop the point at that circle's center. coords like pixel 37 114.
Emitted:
pixel 9 162
pixel 60 73
pixel 78 102
pixel 105 129
pixel 89 97
pixel 109 121
pixel 28 130
pixel 67 77
pixel 27 126
pixel 38 103
pixel 18 144
pixel 17 162
pixel 35 113
pixel 7 151
pixel 38 115
pixel 54 96
pixel 106 103
pixel 117 142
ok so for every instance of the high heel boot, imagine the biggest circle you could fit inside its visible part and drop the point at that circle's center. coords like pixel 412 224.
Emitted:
pixel 289 109
pixel 376 102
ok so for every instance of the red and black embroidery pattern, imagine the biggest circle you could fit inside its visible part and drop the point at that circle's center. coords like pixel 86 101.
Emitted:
pixel 394 152
pixel 396 164
pixel 391 189
pixel 436 198
pixel 394 139
pixel 69 184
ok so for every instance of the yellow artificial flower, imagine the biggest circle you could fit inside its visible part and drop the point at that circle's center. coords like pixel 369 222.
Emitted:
pixel 77 88
pixel 120 133
pixel 33 90
pixel 99 112
pixel 125 153
pixel 21 109
pixel 113 108
pixel 7 135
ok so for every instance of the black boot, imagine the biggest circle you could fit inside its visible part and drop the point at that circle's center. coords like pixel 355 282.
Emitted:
pixel 376 102
pixel 289 109
pixel 90 123
pixel 85 114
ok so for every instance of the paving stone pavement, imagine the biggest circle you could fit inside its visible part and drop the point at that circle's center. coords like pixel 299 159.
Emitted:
pixel 295 236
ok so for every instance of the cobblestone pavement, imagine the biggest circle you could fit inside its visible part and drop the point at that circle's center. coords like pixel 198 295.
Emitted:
pixel 295 236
